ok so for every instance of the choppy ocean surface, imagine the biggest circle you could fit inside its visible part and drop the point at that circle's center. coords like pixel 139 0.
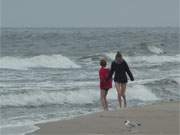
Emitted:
pixel 49 74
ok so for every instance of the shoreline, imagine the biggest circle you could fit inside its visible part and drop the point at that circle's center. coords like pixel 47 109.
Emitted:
pixel 156 119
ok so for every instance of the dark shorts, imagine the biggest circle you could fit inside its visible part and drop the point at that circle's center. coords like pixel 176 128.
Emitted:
pixel 120 80
pixel 105 89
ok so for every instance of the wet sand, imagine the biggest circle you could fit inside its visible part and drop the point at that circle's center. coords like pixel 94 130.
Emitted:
pixel 157 119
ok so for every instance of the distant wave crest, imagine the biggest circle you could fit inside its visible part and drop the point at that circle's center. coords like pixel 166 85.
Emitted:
pixel 46 61
pixel 149 60
pixel 155 50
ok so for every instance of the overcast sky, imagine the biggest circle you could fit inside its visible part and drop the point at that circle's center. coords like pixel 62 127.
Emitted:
pixel 89 13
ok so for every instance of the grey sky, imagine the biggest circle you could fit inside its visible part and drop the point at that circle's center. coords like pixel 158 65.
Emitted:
pixel 89 13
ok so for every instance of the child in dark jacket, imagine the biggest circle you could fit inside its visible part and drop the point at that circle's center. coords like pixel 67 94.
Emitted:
pixel 105 84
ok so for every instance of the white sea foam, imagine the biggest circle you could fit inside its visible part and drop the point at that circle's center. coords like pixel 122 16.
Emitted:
pixel 18 130
pixel 39 97
pixel 45 98
pixel 155 50
pixel 140 92
pixel 135 92
pixel 177 79
pixel 153 59
pixel 46 61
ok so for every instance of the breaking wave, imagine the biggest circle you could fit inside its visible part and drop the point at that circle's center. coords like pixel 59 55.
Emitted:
pixel 153 59
pixel 155 50
pixel 41 98
pixel 45 61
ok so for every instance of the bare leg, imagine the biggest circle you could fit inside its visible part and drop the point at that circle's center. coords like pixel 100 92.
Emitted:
pixel 103 100
pixel 123 88
pixel 118 88
pixel 106 103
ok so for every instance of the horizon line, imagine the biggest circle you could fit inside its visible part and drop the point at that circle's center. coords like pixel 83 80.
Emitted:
pixel 91 27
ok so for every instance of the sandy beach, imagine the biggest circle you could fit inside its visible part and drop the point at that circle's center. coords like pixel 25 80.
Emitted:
pixel 157 119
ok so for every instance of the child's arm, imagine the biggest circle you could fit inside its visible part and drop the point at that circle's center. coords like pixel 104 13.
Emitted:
pixel 111 72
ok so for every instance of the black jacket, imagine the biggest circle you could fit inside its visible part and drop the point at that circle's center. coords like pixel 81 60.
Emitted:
pixel 120 70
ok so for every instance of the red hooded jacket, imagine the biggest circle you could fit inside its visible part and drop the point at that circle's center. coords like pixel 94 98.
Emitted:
pixel 103 74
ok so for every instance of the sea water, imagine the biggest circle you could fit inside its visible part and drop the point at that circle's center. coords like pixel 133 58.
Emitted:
pixel 49 74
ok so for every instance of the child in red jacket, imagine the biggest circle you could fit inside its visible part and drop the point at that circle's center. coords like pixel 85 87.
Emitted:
pixel 104 84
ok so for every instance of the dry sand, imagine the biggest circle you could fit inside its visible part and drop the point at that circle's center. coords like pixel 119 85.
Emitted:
pixel 158 119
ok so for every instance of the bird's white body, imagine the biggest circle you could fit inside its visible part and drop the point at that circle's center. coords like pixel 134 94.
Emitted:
pixel 131 124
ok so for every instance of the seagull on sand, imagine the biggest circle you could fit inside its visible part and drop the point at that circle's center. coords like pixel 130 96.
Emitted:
pixel 131 124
